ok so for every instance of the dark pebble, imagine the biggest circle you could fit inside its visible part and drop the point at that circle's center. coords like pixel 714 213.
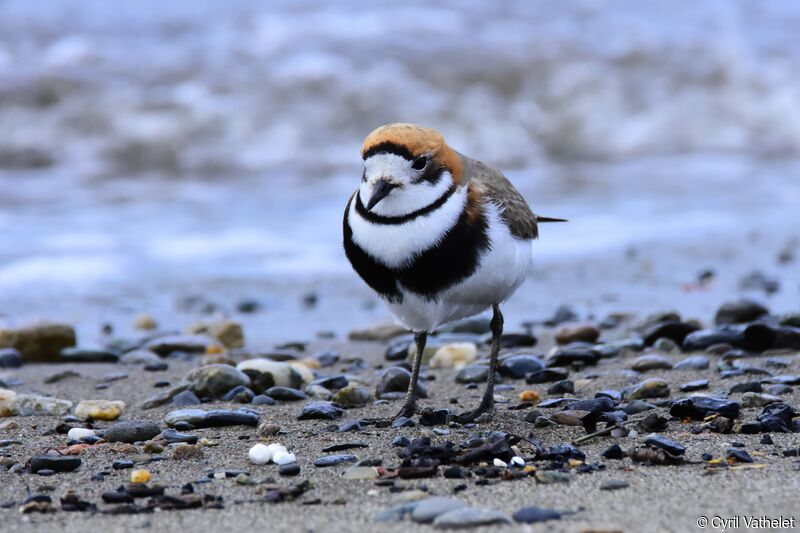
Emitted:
pixel 185 399
pixel 740 456
pixel 401 441
pixel 403 422
pixel 665 444
pixel 533 515
pixel 577 353
pixel 397 379
pixel 285 394
pixel 438 417
pixel 614 452
pixel 156 367
pixel 739 312
pixel 454 472
pixel 10 358
pixel 56 463
pixel 320 410
pixel 546 375
pixel 564 386
pixel 84 355
pixel 749 386
pixel 122 465
pixel 332 383
pixel 161 384
pixel 239 394
pixel 131 431
pixel 333 460
pixel 698 407
pixel 608 393
pixel 517 340
pixel 262 400
pixel 698 384
pixel 350 425
pixel 517 366
pixel 171 437
pixel 291 469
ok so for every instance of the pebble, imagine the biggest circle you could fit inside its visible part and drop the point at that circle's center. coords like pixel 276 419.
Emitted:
pixel 666 345
pixel 139 357
pixel 160 366
pixel 577 332
pixel 185 399
pixel 647 362
pixel 673 330
pixel 576 353
pixel 86 355
pixel 609 393
pixel 352 396
pixel 757 399
pixel 39 343
pixel 268 429
pixel 331 383
pixel 533 515
pixel 693 362
pixel 454 355
pixel 320 410
pixel 214 381
pixel 649 388
pixel 291 469
pixel 283 457
pixel 565 386
pixel 735 455
pixel 333 460
pixel 360 472
pixel 171 436
pixel 32 405
pixel 778 389
pixel 10 358
pixel 547 375
pixel 529 396
pixel 473 374
pixel 141 476
pixel 397 379
pixel 470 517
pixel 517 366
pixel 698 406
pixel 168 344
pixel 228 332
pixel 665 444
pixel 99 409
pixel 285 394
pixel 145 321
pixel 426 510
pixel 131 431
pixel 56 463
pixel 613 452
pixel 739 312
pixel 614 484
pixel 691 386
pixel 80 433
pixel 262 399
pixel 260 454
pixel 200 418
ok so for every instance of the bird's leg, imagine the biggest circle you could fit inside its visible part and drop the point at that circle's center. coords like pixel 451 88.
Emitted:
pixel 410 403
pixel 487 403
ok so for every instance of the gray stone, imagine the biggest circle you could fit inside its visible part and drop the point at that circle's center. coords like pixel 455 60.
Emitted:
pixel 470 517
pixel 651 361
pixel 397 379
pixel 131 431
pixel 185 399
pixel 428 509
pixel 473 374
pixel 693 362
pixel 215 380
pixel 649 388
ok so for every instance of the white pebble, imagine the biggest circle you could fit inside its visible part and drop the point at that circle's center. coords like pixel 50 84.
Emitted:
pixel 283 458
pixel 260 454
pixel 500 463
pixel 275 448
pixel 80 433
pixel 517 461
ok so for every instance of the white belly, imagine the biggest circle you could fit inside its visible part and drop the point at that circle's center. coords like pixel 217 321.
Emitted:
pixel 502 270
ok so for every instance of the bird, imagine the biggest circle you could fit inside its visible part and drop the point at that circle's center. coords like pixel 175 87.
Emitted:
pixel 439 237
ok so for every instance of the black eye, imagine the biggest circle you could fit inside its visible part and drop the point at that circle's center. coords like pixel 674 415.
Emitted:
pixel 420 163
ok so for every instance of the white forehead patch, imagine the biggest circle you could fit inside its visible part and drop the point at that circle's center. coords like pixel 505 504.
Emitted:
pixel 384 165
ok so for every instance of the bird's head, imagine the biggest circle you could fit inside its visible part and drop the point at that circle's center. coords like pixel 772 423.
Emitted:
pixel 406 168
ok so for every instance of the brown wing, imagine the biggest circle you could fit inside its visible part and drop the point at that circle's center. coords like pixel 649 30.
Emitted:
pixel 514 210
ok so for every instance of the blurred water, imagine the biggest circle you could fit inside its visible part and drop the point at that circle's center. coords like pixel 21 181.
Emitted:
pixel 151 145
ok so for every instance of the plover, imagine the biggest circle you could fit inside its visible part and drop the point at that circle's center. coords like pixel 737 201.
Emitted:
pixel 438 236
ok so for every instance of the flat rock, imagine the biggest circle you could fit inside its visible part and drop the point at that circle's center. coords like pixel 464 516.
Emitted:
pixel 56 463
pixel 39 343
pixel 473 374
pixel 285 394
pixel 547 375
pixel 333 460
pixel 470 517
pixel 693 362
pixel 200 418
pixel 698 406
pixel 577 332
pixel 131 431
pixel 87 355
pixel 647 362
pixel 758 399
pixel 649 388
pixel 425 511
pixel 668 445
pixel 696 385
pixel 167 344
pixel 533 515
pixel 320 410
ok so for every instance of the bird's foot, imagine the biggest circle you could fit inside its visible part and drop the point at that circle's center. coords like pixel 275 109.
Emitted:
pixel 408 410
pixel 486 408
